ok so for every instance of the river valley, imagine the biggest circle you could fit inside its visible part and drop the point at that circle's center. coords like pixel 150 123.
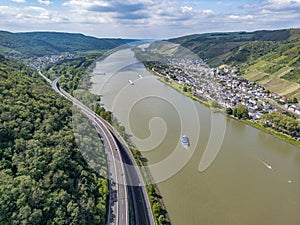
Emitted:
pixel 231 174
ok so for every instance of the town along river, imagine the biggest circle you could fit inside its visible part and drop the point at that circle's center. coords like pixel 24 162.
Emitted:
pixel 231 174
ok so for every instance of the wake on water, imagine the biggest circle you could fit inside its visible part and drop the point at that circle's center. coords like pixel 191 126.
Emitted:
pixel 265 164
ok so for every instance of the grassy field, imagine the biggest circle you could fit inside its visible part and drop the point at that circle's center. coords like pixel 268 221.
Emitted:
pixel 256 76
pixel 280 73
pixel 295 94
pixel 281 86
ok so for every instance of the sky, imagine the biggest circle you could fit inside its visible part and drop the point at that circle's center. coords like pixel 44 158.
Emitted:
pixel 148 19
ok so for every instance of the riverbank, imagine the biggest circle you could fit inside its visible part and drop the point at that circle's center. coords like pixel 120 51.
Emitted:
pixel 272 132
pixel 158 207
pixel 222 186
pixel 258 126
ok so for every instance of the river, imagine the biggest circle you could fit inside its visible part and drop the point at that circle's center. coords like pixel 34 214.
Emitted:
pixel 231 174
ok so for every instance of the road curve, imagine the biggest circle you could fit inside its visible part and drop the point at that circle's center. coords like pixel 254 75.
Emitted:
pixel 118 213
pixel 126 183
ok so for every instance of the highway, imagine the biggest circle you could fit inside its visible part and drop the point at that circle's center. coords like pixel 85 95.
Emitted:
pixel 135 182
pixel 126 184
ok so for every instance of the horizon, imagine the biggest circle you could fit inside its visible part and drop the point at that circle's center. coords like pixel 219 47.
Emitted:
pixel 145 39
pixel 147 19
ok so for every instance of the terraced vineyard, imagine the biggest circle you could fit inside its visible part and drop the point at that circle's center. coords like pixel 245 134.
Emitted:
pixel 271 58
pixel 278 70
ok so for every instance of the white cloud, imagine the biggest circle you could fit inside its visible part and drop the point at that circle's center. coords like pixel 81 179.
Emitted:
pixel 269 14
pixel 45 2
pixel 76 3
pixel 185 9
pixel 282 3
pixel 6 11
pixel 28 15
pixel 148 18
pixel 276 5
pixel 239 17
pixel 19 1
pixel 207 11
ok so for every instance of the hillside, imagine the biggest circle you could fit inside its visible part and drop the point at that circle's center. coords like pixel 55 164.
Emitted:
pixel 274 64
pixel 44 177
pixel 24 45
pixel 216 47
pixel 271 58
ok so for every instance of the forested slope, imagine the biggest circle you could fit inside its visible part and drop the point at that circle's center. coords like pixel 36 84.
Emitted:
pixel 217 48
pixel 24 45
pixel 44 177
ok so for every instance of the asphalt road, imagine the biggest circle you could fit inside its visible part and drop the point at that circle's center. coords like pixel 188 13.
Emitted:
pixel 125 180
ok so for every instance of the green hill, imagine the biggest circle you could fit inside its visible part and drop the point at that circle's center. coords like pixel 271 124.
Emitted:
pixel 44 177
pixel 271 58
pixel 22 45
pixel 274 64
pixel 216 47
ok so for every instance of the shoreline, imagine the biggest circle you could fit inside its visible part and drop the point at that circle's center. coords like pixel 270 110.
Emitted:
pixel 258 126
pixel 151 186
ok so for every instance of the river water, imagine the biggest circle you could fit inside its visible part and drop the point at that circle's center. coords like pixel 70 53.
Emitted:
pixel 232 174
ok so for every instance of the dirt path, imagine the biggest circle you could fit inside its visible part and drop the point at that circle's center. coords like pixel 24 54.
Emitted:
pixel 284 72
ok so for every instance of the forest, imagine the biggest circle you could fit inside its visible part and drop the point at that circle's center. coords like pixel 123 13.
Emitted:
pixel 44 177
pixel 281 122
pixel 72 72
pixel 36 44
pixel 232 47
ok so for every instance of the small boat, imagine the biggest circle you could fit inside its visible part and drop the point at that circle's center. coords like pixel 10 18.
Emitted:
pixel 140 76
pixel 265 164
pixel 131 82
pixel 185 141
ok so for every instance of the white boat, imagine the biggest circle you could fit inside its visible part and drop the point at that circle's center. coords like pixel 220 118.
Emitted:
pixel 265 164
pixel 140 76
pixel 130 82
pixel 185 141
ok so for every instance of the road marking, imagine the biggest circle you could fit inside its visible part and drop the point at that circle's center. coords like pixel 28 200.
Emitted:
pixel 108 128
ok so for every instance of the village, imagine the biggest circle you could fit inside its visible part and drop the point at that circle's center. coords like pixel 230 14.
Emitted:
pixel 224 85
pixel 41 62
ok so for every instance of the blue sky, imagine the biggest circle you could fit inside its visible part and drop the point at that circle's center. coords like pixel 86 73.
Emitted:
pixel 147 18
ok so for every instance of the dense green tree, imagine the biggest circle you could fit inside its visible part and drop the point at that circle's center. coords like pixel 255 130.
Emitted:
pixel 229 111
pixel 295 100
pixel 241 111
pixel 281 122
pixel 44 177
pixel 73 73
